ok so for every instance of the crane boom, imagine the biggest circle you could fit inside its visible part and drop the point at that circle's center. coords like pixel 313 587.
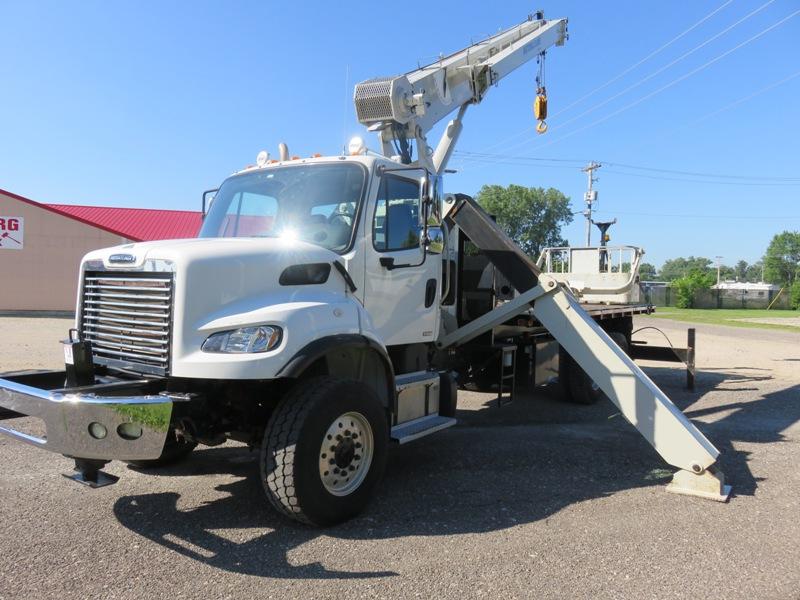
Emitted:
pixel 407 107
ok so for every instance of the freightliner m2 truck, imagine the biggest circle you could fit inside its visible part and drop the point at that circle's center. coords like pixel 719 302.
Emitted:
pixel 323 313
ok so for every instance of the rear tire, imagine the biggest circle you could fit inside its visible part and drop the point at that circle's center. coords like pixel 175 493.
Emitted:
pixel 323 428
pixel 578 387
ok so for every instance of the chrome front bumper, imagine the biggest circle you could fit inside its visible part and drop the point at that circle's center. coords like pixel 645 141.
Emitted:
pixel 135 426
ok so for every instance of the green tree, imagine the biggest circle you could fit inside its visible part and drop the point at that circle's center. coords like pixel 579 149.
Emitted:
pixel 681 267
pixel 782 260
pixel 686 286
pixel 741 270
pixel 725 273
pixel 647 272
pixel 795 294
pixel 753 272
pixel 532 217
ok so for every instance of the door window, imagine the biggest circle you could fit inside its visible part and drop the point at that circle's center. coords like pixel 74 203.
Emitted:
pixel 395 225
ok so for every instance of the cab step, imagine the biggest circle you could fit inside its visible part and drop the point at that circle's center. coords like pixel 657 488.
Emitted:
pixel 412 430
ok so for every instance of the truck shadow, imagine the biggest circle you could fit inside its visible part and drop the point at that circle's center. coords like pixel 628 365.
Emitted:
pixel 497 469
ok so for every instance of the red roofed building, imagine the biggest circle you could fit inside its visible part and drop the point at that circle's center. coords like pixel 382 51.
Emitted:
pixel 138 224
pixel 41 245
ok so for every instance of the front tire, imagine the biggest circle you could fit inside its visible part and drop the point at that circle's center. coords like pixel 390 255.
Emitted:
pixel 324 450
pixel 175 449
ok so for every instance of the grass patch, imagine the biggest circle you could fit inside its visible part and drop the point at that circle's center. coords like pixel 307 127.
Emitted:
pixel 729 316
pixel 155 416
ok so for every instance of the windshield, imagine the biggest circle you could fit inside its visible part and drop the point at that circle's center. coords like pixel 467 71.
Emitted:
pixel 316 203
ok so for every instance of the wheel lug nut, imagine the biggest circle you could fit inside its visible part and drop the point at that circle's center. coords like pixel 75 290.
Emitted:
pixel 357 457
pixel 358 444
pixel 336 471
pixel 347 432
pixel 331 462
pixel 339 437
pixel 355 435
pixel 352 468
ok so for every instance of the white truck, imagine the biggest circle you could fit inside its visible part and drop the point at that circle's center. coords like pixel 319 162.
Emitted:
pixel 319 315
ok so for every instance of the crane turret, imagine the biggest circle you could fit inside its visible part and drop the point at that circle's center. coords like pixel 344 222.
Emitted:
pixel 405 108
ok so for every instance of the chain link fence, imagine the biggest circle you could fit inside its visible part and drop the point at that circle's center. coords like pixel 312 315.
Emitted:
pixel 666 296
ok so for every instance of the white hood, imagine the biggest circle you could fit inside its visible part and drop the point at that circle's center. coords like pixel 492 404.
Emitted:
pixel 226 283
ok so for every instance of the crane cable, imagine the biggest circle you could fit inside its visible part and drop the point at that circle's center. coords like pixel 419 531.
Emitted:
pixel 540 103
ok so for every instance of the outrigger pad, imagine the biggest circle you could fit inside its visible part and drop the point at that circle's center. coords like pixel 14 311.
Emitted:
pixel 709 484
pixel 87 472
pixel 101 479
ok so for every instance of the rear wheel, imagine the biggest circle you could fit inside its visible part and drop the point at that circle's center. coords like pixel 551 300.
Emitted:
pixel 578 387
pixel 324 450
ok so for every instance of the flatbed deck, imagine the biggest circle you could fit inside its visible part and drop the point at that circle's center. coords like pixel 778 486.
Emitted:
pixel 598 312
pixel 610 311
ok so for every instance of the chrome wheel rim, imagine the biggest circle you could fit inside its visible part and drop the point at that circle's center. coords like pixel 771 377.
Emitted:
pixel 346 453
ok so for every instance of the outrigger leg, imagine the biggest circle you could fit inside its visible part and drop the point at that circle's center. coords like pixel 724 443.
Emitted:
pixel 640 400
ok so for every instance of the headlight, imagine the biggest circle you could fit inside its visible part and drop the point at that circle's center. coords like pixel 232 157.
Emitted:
pixel 244 340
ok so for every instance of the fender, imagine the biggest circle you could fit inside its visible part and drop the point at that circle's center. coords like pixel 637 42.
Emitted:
pixel 315 350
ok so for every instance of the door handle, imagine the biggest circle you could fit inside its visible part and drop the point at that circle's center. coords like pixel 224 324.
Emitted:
pixel 430 292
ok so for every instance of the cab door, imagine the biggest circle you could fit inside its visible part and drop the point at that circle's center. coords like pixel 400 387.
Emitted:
pixel 402 278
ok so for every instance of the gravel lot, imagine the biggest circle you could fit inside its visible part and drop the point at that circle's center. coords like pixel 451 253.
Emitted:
pixel 537 499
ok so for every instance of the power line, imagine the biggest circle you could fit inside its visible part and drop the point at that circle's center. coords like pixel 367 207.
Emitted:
pixel 620 75
pixel 686 180
pixel 722 109
pixel 696 216
pixel 670 84
pixel 489 154
pixel 645 59
pixel 746 98
pixel 696 178
pixel 707 175
pixel 665 67
pixel 506 158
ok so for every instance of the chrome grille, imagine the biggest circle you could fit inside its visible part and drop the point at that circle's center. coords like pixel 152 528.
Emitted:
pixel 128 317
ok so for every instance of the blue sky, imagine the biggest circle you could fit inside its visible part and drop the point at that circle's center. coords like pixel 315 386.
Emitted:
pixel 148 104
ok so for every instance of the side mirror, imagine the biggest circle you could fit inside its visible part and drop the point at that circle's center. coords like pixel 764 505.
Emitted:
pixel 436 240
pixel 208 198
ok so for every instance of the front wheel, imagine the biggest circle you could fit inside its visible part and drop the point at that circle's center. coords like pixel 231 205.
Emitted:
pixel 175 449
pixel 324 450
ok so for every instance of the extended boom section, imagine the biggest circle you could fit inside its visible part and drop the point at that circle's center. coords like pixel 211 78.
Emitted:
pixel 639 400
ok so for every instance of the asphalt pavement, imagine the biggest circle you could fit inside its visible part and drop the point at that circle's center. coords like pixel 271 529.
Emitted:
pixel 537 499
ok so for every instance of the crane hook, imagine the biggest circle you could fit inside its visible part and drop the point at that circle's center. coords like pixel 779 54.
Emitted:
pixel 540 109
pixel 540 104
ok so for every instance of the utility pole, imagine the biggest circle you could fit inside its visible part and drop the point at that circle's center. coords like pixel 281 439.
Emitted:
pixel 719 258
pixel 590 197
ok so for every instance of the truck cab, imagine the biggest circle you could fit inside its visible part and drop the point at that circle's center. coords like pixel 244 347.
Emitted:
pixel 313 282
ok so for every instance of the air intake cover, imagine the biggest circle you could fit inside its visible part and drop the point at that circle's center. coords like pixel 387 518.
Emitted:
pixel 383 99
